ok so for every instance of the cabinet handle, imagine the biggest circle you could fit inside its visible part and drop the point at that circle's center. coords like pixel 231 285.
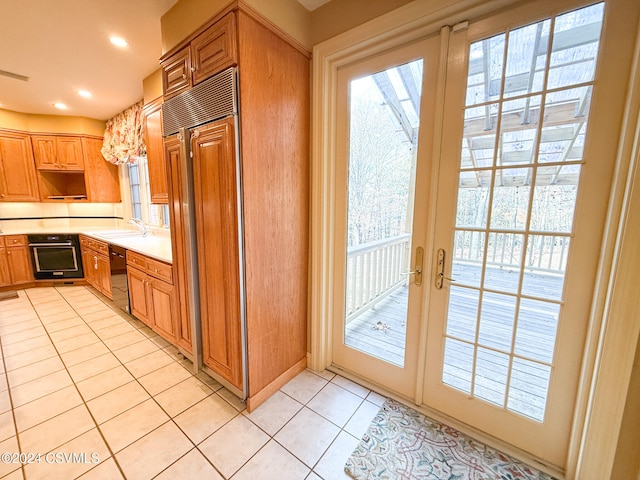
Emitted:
pixel 1 195
pixel 184 76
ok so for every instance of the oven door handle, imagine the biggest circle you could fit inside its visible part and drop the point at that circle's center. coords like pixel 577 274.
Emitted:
pixel 69 244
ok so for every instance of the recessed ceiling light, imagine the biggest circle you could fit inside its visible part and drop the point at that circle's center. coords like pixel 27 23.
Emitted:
pixel 84 93
pixel 60 106
pixel 118 42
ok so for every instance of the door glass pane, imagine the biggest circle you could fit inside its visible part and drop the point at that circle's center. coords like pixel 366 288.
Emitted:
pixel 576 38
pixel 486 59
pixel 463 313
pixel 504 258
pixel 525 125
pixel 383 132
pixel 527 56
pixel 468 253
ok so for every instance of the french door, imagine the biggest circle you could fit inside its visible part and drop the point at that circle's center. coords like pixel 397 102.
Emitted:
pixel 518 224
pixel 380 210
pixel 505 195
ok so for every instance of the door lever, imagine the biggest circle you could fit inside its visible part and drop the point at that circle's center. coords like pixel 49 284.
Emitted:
pixel 440 276
pixel 418 269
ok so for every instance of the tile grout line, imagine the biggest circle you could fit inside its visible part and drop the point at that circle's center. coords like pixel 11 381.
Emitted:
pixel 13 414
pixel 70 302
pixel 78 390
pixel 152 397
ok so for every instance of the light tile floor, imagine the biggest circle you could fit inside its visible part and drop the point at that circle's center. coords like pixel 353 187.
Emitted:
pixel 78 377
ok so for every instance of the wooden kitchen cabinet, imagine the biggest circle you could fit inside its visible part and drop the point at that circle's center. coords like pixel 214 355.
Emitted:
pixel 176 73
pixel 5 275
pixel 152 118
pixel 96 264
pixel 58 152
pixel 15 260
pixel 210 52
pixel 138 302
pixel 214 178
pixel 256 275
pixel 214 49
pixel 18 180
pixel 101 177
pixel 152 295
pixel 177 217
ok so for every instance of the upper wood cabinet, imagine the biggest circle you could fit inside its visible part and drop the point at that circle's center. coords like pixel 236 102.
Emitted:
pixel 210 52
pixel 101 177
pixel 155 151
pixel 18 181
pixel 58 152
pixel 214 49
pixel 176 73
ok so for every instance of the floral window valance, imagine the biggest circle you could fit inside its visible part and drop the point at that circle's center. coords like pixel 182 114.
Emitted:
pixel 123 137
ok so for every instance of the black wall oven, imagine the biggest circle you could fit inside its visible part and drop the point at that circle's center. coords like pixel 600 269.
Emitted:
pixel 55 256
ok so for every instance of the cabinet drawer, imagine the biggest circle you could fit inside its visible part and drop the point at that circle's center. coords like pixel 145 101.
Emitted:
pixel 137 260
pixel 160 270
pixel 15 240
pixel 102 247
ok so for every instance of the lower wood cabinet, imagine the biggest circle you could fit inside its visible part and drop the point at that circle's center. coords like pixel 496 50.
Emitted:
pixel 152 296
pixel 15 262
pixel 96 265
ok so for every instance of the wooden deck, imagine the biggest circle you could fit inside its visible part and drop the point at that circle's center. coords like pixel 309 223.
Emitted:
pixel 381 332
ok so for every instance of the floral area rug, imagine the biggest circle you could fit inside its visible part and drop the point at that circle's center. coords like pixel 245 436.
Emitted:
pixel 402 444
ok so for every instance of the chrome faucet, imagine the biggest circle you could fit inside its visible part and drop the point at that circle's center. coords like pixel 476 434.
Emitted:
pixel 140 224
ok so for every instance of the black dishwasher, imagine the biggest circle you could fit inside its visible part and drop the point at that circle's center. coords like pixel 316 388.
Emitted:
pixel 119 289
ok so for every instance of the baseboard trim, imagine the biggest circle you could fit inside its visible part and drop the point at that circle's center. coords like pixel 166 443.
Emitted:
pixel 260 397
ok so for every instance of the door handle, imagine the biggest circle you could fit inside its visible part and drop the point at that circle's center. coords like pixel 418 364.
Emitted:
pixel 417 271
pixel 440 276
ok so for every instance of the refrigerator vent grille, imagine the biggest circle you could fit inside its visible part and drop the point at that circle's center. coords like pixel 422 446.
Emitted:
pixel 210 100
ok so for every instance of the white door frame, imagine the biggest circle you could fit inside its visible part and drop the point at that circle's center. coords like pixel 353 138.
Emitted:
pixel 611 343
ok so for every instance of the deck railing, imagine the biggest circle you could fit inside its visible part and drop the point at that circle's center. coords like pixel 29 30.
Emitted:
pixel 545 253
pixel 374 271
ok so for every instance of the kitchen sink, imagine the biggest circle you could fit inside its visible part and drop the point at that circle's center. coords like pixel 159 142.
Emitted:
pixel 117 234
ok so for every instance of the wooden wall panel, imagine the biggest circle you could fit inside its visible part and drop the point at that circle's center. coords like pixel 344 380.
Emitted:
pixel 274 119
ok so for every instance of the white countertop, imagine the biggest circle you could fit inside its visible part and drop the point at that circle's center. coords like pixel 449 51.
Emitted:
pixel 155 246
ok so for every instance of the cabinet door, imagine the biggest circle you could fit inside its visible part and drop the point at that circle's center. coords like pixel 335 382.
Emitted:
pixel 5 276
pixel 104 275
pixel 69 151
pixel 214 171
pixel 101 177
pixel 215 49
pixel 18 182
pixel 164 308
pixel 44 150
pixel 19 264
pixel 155 153
pixel 138 295
pixel 176 73
pixel 90 264
pixel 178 246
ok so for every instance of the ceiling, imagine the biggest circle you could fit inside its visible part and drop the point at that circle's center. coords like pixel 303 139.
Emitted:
pixel 63 46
